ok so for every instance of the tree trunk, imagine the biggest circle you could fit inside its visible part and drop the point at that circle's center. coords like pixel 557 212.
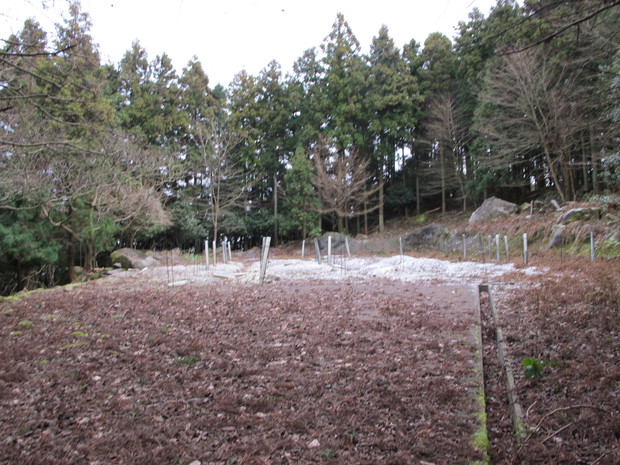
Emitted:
pixel 89 258
pixel 584 164
pixel 365 218
pixel 595 184
pixel 381 203
pixel 275 210
pixel 70 259
pixel 20 275
pixel 417 194
pixel 442 167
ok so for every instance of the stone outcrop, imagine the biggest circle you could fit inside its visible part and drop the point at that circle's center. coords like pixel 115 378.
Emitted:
pixel 132 258
pixel 580 214
pixel 425 236
pixel 493 208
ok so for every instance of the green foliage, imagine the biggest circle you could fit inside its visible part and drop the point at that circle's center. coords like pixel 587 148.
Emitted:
pixel 187 228
pixel 188 361
pixel 398 196
pixel 301 199
pixel 532 367
pixel 610 174
pixel 259 223
pixel 24 238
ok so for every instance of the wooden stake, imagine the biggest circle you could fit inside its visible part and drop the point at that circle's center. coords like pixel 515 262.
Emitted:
pixel 264 258
pixel 303 248
pixel 525 249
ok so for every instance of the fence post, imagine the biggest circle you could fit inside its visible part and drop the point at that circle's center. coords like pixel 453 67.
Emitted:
pixel 506 245
pixel 329 249
pixel 592 249
pixel 497 247
pixel 318 251
pixel 264 258
pixel 464 247
pixel 207 253
pixel 346 243
pixel 214 253
pixel 525 249
pixel 224 251
pixel 303 248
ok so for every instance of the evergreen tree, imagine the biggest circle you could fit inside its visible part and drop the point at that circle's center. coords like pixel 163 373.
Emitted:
pixel 302 203
pixel 392 99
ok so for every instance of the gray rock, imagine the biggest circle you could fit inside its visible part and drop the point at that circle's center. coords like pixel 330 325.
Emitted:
pixel 526 207
pixel 557 236
pixel 131 258
pixel 580 214
pixel 428 235
pixel 337 242
pixel 493 208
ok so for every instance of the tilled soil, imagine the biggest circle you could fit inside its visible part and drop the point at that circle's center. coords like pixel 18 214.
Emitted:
pixel 362 372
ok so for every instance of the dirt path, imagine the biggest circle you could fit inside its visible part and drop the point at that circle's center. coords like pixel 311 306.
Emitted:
pixel 130 370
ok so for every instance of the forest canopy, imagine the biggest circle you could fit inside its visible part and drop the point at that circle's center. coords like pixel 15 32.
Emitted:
pixel 520 104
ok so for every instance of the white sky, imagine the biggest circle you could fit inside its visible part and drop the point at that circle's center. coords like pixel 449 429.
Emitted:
pixel 230 35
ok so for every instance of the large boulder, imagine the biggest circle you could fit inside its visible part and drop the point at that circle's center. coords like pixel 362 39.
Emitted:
pixel 428 235
pixel 132 258
pixel 492 209
pixel 338 241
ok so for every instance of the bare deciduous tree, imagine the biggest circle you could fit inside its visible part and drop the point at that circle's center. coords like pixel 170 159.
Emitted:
pixel 223 180
pixel 448 139
pixel 533 115
pixel 343 183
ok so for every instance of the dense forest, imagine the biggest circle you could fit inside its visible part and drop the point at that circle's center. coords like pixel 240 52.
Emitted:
pixel 520 104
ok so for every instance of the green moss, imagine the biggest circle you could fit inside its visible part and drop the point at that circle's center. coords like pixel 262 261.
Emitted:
pixel 26 324
pixel 609 249
pixel 420 219
pixel 75 344
pixel 79 334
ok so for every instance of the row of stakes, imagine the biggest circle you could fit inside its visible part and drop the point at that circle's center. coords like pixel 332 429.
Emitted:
pixel 464 241
pixel 227 251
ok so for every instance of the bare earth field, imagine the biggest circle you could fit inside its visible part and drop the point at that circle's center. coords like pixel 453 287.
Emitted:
pixel 368 361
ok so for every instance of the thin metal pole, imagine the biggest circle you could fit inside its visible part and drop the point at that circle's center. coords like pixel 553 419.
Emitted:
pixel 497 247
pixel 464 247
pixel 329 250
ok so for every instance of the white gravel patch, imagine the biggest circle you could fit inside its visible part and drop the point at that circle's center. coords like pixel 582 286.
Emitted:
pixel 408 269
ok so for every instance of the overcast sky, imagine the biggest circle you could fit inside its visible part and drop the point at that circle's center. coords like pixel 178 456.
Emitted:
pixel 230 35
